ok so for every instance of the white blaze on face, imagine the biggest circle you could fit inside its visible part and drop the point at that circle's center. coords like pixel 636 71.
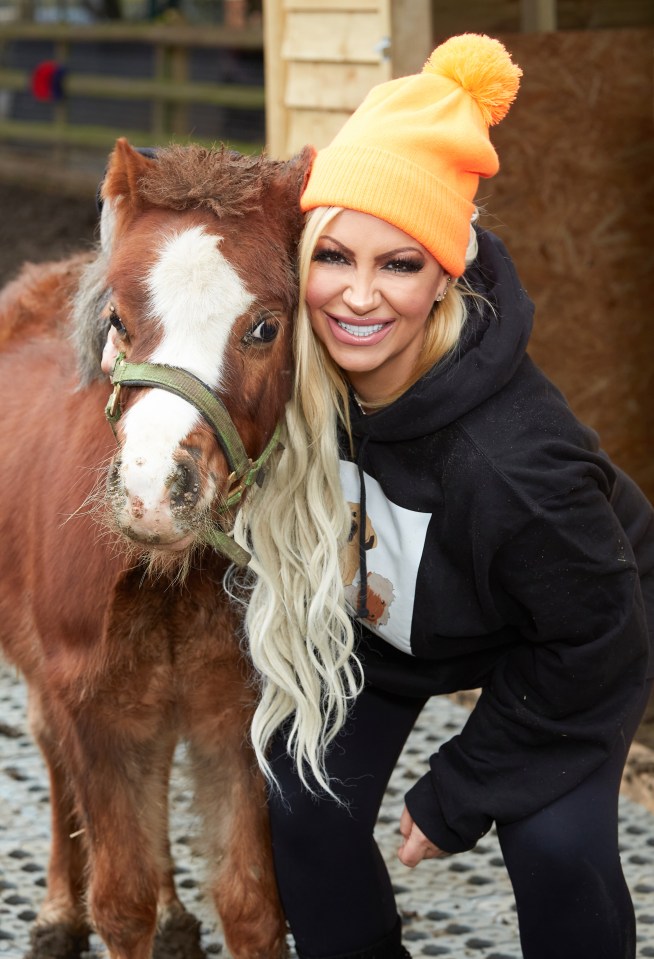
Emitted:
pixel 196 296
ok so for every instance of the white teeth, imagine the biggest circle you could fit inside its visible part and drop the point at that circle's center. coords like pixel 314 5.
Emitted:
pixel 361 330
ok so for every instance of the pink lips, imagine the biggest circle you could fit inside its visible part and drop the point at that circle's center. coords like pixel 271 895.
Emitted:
pixel 360 338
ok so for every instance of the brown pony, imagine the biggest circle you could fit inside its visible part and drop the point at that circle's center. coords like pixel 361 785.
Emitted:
pixel 111 598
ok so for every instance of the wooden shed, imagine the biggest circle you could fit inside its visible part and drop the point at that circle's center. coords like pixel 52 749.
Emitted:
pixel 322 57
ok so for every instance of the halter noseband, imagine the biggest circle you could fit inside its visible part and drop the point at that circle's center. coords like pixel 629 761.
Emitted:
pixel 244 471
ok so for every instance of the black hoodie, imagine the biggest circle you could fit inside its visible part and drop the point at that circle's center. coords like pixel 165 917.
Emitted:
pixel 501 549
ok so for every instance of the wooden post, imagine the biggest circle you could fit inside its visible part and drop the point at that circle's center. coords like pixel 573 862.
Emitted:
pixel 26 9
pixel 60 107
pixel 235 13
pixel 179 73
pixel 170 63
pixel 159 107
pixel 275 74
pixel 537 16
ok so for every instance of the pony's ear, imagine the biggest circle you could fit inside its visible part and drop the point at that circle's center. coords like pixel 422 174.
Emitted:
pixel 126 167
pixel 298 169
pixel 119 192
pixel 290 181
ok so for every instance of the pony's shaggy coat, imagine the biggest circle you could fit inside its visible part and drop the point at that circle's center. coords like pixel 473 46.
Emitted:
pixel 121 664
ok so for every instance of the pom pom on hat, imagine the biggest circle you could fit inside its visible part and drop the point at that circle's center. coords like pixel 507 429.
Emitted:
pixel 483 67
pixel 413 152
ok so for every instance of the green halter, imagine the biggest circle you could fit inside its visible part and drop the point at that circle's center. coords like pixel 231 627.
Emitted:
pixel 244 471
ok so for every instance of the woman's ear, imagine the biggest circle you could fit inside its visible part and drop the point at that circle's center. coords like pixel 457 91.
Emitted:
pixel 445 285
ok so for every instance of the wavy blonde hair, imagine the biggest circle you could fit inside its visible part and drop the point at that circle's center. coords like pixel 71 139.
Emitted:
pixel 299 633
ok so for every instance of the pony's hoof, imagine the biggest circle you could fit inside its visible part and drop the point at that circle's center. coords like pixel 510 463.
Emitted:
pixel 179 938
pixel 57 941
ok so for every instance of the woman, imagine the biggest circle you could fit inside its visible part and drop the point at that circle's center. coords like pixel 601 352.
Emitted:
pixel 439 520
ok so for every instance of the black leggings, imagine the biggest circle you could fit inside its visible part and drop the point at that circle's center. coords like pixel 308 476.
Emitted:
pixel 564 865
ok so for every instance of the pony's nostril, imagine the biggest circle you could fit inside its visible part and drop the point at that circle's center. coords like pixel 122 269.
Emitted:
pixel 113 478
pixel 185 487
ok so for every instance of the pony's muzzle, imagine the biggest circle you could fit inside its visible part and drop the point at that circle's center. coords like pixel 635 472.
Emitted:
pixel 159 508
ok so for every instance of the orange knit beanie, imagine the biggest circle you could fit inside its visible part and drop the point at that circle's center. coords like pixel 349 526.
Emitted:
pixel 413 152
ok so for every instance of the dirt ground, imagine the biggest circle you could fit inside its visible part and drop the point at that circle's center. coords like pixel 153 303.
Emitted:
pixel 41 225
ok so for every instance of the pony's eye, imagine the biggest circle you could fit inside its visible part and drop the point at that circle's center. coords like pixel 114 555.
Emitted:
pixel 264 330
pixel 116 321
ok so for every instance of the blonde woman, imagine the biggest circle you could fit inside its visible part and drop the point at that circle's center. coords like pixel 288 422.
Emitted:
pixel 439 520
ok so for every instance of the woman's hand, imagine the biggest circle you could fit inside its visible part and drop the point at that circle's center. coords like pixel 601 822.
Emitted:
pixel 415 846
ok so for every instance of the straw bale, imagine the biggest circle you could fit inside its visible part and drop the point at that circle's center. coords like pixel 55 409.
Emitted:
pixel 574 201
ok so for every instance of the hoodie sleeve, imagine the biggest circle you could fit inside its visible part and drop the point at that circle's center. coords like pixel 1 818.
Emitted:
pixel 555 704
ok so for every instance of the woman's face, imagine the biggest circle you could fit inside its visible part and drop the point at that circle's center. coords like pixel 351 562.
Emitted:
pixel 370 291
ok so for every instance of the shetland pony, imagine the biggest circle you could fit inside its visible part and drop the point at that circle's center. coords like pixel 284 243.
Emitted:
pixel 115 543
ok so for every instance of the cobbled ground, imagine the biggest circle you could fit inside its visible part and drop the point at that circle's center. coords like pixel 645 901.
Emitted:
pixel 459 907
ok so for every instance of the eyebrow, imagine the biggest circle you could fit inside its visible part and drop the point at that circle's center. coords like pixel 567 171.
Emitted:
pixel 382 256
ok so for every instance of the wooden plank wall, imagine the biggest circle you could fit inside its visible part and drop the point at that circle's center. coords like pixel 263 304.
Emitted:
pixel 322 57
pixel 574 201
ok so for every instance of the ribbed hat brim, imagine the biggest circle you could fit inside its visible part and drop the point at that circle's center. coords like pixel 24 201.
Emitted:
pixel 383 184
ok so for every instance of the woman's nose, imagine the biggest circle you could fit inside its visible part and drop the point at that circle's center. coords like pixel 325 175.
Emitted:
pixel 361 295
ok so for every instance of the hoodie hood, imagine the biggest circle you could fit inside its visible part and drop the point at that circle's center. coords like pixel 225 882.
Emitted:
pixel 492 346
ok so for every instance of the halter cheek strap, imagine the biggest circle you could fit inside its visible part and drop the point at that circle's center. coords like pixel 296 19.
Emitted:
pixel 244 471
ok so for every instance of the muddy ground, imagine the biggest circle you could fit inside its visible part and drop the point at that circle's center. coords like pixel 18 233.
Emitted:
pixel 41 225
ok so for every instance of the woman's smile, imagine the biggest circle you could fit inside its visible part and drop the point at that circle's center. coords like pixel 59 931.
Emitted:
pixel 362 333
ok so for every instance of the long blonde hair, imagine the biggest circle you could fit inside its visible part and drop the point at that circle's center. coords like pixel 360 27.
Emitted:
pixel 299 634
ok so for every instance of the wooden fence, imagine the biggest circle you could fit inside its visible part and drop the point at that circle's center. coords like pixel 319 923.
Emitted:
pixel 169 91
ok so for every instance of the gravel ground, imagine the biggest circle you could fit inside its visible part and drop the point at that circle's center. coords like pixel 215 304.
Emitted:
pixel 459 907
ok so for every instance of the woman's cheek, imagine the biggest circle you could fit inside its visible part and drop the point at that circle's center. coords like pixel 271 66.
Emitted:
pixel 318 324
pixel 320 289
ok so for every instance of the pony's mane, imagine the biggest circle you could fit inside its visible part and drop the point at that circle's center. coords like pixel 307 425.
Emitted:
pixel 89 326
pixel 190 177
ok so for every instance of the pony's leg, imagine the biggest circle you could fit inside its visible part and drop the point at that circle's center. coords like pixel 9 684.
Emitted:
pixel 231 796
pixel 61 930
pixel 121 759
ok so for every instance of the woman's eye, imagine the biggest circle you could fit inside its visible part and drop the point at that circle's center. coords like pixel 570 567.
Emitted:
pixel 116 321
pixel 263 331
pixel 328 256
pixel 404 266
